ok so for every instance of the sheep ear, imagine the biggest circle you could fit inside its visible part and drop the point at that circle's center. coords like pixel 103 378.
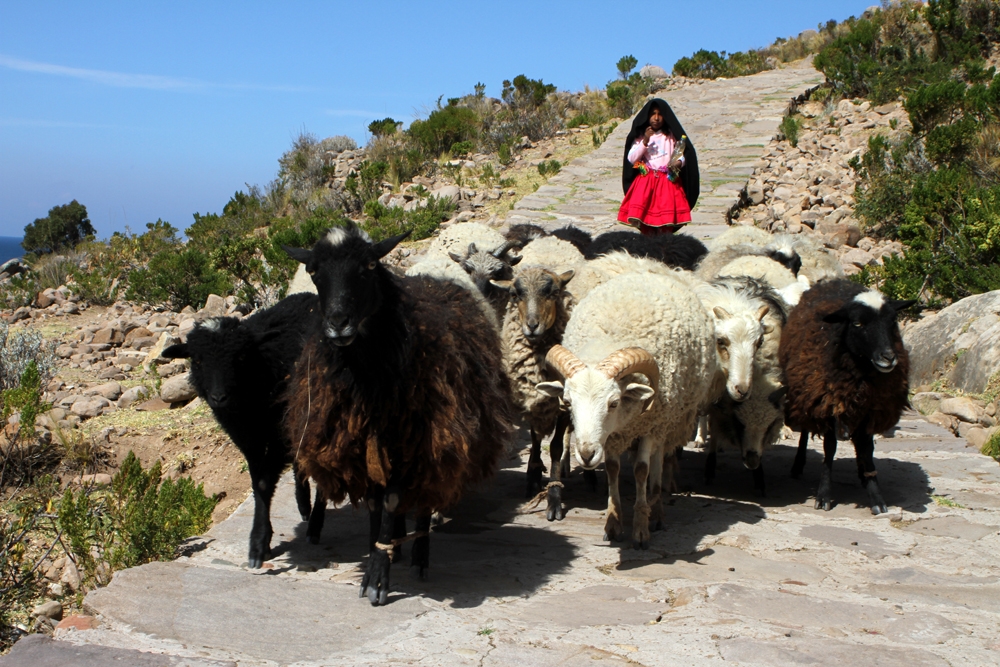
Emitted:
pixel 269 335
pixel 553 389
pixel 503 284
pixel 513 261
pixel 384 247
pixel 639 392
pixel 901 305
pixel 776 396
pixel 456 257
pixel 299 254
pixel 179 351
pixel 768 329
pixel 837 316
pixel 564 278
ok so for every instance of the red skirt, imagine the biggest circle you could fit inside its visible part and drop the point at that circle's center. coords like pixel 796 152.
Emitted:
pixel 654 201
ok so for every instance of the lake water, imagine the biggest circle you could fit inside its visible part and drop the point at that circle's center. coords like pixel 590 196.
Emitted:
pixel 10 247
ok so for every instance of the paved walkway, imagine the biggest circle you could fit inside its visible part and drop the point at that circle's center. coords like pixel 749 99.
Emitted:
pixel 729 123
pixel 732 580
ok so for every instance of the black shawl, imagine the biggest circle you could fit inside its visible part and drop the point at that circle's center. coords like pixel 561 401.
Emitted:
pixel 689 172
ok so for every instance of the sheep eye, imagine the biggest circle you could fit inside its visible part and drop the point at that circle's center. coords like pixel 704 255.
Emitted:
pixel 311 272
pixel 858 324
pixel 372 264
pixel 760 341
pixel 614 404
pixel 722 342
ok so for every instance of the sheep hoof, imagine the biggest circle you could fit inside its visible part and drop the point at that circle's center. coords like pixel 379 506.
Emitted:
pixel 255 562
pixel 554 513
pixel 824 504
pixel 305 516
pixel 312 539
pixel 640 544
pixel 418 572
pixel 376 580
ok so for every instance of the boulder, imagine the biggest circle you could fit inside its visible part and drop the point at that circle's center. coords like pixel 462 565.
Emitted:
pixel 932 340
pixel 130 396
pixel 89 406
pixel 155 353
pixel 109 390
pixel 943 420
pixel 963 408
pixel 178 389
pixel 45 298
pixel 138 332
pixel 215 306
pixel 109 336
pixel 979 436
pixel 48 609
pixel 927 402
pixel 452 192
pixel 654 72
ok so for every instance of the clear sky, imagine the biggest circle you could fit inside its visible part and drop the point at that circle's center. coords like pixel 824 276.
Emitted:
pixel 149 110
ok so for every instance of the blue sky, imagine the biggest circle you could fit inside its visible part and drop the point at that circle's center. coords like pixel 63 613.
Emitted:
pixel 163 109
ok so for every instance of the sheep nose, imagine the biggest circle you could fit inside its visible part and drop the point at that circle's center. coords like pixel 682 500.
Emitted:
pixel 885 362
pixel 532 326
pixel 586 458
pixel 338 320
pixel 218 398
pixel 751 460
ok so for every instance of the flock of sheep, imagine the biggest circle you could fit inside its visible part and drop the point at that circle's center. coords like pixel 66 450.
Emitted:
pixel 403 391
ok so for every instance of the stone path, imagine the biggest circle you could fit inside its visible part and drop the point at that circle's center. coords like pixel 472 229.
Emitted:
pixel 732 580
pixel 729 123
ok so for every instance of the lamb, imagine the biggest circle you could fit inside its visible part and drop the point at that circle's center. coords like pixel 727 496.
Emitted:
pixel 679 250
pixel 638 360
pixel 240 368
pixel 846 369
pixel 752 422
pixel 536 318
pixel 399 398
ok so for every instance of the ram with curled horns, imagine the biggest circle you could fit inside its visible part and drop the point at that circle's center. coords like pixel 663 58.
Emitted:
pixel 638 361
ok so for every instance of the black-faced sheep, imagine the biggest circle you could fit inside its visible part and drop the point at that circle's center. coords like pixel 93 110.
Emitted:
pixel 240 368
pixel 400 399
pixel 616 343
pixel 846 371
pixel 678 250
pixel 536 318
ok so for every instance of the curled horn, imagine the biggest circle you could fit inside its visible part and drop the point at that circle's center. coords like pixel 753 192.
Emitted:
pixel 629 360
pixel 502 249
pixel 563 361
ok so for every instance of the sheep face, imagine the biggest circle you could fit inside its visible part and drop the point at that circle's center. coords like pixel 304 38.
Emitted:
pixel 868 329
pixel 598 406
pixel 219 350
pixel 737 339
pixel 759 426
pixel 537 293
pixel 345 267
pixel 484 266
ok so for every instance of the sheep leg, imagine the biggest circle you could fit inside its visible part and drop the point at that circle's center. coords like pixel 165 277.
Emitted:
pixel 710 461
pixel 701 434
pixel 641 511
pixel 758 480
pixel 535 465
pixel 316 518
pixel 375 583
pixel 671 471
pixel 555 509
pixel 263 478
pixel 420 554
pixel 824 496
pixel 864 448
pixel 800 455
pixel 613 524
pixel 302 499
pixel 398 532
pixel 656 467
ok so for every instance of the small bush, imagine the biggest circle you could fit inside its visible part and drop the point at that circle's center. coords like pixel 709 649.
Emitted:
pixel 384 127
pixel 183 278
pixel 445 127
pixel 992 446
pixel 462 148
pixel 20 581
pixel 339 143
pixel 384 221
pixel 601 134
pixel 136 520
pixel 504 154
pixel 625 65
pixel 26 400
pixel 549 167
pixel 20 350
pixel 706 64
pixel 790 126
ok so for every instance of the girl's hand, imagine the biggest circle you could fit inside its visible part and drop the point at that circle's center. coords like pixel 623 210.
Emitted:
pixel 649 133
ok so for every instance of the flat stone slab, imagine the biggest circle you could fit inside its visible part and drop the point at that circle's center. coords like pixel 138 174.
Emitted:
pixel 40 651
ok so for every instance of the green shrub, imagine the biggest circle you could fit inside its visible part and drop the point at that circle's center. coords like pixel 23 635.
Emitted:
pixel 706 64
pixel 526 92
pixel 25 399
pixel 601 134
pixel 549 167
pixel 183 278
pixel 20 350
pixel 462 148
pixel 992 446
pixel 62 228
pixel 504 154
pixel 20 581
pixel 366 184
pixel 136 520
pixel 445 127
pixel 381 222
pixel 790 126
pixel 384 127
pixel 625 65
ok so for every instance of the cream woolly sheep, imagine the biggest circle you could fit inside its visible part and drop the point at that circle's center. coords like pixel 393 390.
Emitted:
pixel 599 271
pixel 712 263
pixel 818 261
pixel 762 268
pixel 738 235
pixel 638 360
pixel 552 253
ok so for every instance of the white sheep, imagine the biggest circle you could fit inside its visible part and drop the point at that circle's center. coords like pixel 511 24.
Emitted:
pixel 552 253
pixel 599 271
pixel 638 360
pixel 818 261
pixel 738 235
pixel 761 268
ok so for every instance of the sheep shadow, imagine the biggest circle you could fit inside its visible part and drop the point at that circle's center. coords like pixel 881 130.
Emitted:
pixel 904 484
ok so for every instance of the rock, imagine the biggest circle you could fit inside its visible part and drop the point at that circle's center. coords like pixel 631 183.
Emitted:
pixel 138 332
pixel 78 623
pixel 155 353
pixel 109 390
pixel 963 408
pixel 112 373
pixel 64 351
pixel 858 258
pixel 70 576
pixel 48 609
pixel 927 402
pixel 653 72
pixel 70 309
pixel 452 192
pixel 22 313
pixel 130 396
pixel 109 336
pixel 977 436
pixel 45 299
pixel 178 389
pixel 215 306
pixel 89 406
pixel 943 420
pixel 153 405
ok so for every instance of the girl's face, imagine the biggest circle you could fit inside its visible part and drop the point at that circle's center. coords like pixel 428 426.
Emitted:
pixel 655 119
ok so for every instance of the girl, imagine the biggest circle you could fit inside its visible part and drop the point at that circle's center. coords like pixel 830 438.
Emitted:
pixel 653 202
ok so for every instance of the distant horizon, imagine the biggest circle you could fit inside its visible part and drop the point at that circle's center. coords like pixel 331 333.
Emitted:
pixel 160 111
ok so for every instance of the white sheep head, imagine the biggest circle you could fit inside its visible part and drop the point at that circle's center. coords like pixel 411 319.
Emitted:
pixel 737 339
pixel 600 399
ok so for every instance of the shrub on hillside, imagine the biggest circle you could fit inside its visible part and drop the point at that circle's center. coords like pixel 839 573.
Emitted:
pixel 706 64
pixel 381 222
pixel 178 277
pixel 306 166
pixel 64 227
pixel 384 127
pixel 443 128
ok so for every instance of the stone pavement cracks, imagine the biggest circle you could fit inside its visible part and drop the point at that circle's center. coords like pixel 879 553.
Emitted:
pixel 733 579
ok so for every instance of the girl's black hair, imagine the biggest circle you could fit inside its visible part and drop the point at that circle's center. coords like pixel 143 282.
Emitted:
pixel 690 180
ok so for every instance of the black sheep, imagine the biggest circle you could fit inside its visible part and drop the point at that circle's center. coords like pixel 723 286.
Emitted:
pixel 241 368
pixel 578 237
pixel 680 250
pixel 400 398
pixel 846 371
pixel 523 233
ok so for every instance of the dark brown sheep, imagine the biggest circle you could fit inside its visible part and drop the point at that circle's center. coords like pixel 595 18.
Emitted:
pixel 846 370
pixel 401 400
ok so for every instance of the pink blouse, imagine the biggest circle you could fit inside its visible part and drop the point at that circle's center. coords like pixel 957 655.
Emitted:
pixel 657 153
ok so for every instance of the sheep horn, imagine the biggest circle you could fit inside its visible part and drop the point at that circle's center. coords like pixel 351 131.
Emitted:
pixel 629 360
pixel 502 249
pixel 564 362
